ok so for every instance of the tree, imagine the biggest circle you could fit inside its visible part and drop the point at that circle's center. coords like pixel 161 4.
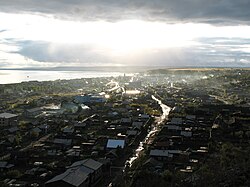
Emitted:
pixel 167 176
pixel 18 139
pixel 13 174
pixel 34 135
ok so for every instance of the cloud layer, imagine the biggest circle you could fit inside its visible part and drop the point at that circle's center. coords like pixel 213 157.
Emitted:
pixel 93 32
pixel 214 52
pixel 210 11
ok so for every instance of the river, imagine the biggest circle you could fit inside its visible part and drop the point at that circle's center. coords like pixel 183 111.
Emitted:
pixel 153 129
pixel 114 84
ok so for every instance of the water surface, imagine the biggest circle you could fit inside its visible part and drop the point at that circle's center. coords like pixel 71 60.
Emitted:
pixel 17 76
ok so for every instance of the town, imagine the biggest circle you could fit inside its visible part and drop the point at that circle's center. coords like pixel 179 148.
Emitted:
pixel 163 127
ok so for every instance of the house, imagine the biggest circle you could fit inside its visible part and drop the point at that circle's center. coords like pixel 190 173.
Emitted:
pixel 36 130
pixel 126 120
pixel 44 127
pixel 173 127
pixel 63 142
pixel 163 144
pixel 79 125
pixel 13 129
pixel 186 133
pixel 90 99
pixel 68 130
pixel 33 112
pixel 144 116
pixel 82 173
pixel 70 107
pixel 164 154
pixel 160 154
pixel 131 132
pixel 152 163
pixel 134 84
pixel 8 119
pixel 190 117
pixel 5 166
pixel 97 99
pixel 137 124
pixel 11 138
pixel 176 121
pixel 73 152
pixel 54 152
pixel 73 177
pixel 112 155
pixel 91 167
pixel 114 144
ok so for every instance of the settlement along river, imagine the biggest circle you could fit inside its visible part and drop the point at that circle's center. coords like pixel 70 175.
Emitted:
pixel 153 129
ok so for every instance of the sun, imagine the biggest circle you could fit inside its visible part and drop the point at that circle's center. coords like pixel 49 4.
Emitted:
pixel 135 35
pixel 119 37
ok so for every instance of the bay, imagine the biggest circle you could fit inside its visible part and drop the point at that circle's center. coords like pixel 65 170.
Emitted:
pixel 17 76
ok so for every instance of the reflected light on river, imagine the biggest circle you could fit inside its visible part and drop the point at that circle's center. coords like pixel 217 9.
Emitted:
pixel 132 92
pixel 152 131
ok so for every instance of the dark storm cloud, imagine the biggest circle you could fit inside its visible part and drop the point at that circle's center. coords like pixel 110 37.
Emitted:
pixel 208 11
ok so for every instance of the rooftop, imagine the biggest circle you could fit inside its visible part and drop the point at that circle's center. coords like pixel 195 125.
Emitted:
pixel 115 143
pixel 89 163
pixel 7 115
pixel 74 177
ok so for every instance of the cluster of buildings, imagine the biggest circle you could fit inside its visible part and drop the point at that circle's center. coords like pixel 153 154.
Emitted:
pixel 70 143
pixel 197 120
pixel 181 144
pixel 82 140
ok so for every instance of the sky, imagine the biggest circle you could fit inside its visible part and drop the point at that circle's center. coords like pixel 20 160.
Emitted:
pixel 172 33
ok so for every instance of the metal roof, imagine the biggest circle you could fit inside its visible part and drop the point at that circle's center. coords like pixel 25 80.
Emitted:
pixel 63 141
pixel 3 164
pixel 7 115
pixel 115 143
pixel 159 152
pixel 89 163
pixel 73 176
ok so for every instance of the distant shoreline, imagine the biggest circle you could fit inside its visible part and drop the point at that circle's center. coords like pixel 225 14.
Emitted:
pixel 21 75
pixel 123 69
